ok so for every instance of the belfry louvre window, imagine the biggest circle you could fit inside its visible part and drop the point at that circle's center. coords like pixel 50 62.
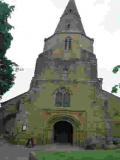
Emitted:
pixel 62 98
pixel 68 43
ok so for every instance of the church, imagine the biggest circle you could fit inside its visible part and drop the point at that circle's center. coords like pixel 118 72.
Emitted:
pixel 65 102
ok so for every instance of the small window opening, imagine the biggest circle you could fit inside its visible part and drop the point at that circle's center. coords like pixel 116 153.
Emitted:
pixel 68 44
pixel 68 26
pixel 70 10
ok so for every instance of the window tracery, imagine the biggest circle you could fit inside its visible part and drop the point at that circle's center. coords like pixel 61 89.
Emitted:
pixel 62 98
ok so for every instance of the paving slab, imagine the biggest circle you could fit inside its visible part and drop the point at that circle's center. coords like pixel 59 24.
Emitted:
pixel 21 152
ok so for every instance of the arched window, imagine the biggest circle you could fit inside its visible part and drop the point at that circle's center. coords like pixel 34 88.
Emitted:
pixel 62 98
pixel 68 43
pixel 66 100
pixel 58 98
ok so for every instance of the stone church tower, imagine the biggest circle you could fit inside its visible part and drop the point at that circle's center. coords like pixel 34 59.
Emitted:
pixel 65 102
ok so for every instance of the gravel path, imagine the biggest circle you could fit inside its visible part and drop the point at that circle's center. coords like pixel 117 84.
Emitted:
pixel 19 152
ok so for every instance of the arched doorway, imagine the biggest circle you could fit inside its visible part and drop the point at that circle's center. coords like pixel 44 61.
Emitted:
pixel 63 132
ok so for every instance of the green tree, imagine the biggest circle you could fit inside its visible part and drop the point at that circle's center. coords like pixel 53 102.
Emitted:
pixel 7 67
pixel 116 87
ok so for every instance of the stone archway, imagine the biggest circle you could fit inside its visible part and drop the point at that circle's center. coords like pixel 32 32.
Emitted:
pixel 62 117
pixel 63 132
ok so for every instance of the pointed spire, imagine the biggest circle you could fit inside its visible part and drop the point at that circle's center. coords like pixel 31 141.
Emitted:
pixel 70 21
pixel 71 9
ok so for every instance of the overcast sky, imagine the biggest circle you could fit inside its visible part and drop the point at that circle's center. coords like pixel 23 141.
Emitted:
pixel 35 20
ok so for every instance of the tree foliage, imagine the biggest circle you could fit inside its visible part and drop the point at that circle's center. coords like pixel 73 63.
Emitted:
pixel 116 87
pixel 7 75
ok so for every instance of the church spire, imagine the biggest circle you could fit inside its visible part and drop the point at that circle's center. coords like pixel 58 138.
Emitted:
pixel 70 20
pixel 71 9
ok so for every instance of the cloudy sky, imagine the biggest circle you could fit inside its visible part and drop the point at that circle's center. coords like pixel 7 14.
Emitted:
pixel 35 20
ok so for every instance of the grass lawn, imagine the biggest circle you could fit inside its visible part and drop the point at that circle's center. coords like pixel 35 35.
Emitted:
pixel 79 155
